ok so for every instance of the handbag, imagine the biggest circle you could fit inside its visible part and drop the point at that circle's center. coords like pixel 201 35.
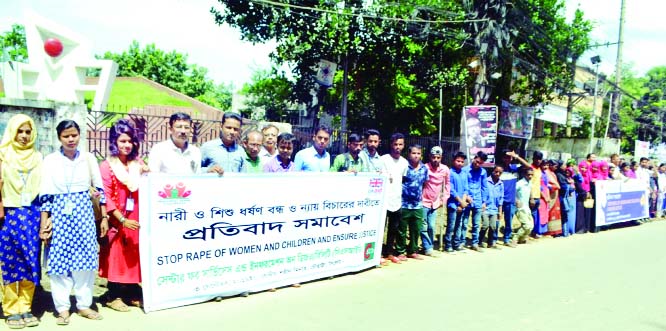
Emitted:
pixel 588 203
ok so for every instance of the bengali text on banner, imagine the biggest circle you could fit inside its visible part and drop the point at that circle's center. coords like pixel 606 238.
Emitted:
pixel 620 201
pixel 204 236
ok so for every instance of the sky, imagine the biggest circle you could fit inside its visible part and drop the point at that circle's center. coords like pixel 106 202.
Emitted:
pixel 644 32
pixel 187 26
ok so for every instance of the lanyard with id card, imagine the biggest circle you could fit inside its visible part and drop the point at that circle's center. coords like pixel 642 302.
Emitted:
pixel 26 200
pixel 129 206
pixel 69 207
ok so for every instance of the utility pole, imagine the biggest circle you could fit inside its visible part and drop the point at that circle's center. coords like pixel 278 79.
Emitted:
pixel 618 61
pixel 343 106
pixel 441 106
pixel 595 61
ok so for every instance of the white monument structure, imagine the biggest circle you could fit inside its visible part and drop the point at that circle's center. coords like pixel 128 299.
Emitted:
pixel 59 61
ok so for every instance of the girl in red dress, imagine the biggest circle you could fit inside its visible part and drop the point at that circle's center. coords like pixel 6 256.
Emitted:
pixel 119 256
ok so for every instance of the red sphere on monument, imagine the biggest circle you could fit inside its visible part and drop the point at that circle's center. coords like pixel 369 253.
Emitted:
pixel 53 47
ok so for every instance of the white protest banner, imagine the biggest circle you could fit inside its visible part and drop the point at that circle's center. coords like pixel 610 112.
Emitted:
pixel 619 201
pixel 204 236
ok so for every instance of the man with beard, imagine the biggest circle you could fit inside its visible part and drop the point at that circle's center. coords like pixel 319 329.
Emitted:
pixel 370 153
pixel 350 161
pixel 225 154
pixel 315 158
pixel 176 155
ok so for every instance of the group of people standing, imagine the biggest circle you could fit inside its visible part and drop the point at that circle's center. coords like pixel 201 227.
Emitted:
pixel 49 199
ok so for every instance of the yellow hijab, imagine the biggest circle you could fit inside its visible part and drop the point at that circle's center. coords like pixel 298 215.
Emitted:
pixel 21 165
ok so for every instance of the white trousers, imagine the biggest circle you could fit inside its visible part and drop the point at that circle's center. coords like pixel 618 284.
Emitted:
pixel 80 281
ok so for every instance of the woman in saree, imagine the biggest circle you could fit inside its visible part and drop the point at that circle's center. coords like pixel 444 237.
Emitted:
pixel 554 208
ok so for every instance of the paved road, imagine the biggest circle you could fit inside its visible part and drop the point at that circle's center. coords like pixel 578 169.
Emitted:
pixel 613 280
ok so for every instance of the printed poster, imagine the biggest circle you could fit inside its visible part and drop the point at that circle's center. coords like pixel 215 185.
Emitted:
pixel 208 236
pixel 515 121
pixel 479 131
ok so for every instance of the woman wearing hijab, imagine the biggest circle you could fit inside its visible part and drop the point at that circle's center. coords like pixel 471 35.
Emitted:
pixel 595 175
pixel 604 171
pixel 625 169
pixel 119 256
pixel 567 199
pixel 68 223
pixel 582 180
pixel 20 171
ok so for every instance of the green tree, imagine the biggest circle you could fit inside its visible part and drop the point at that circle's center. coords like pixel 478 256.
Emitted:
pixel 652 106
pixel 400 54
pixel 390 62
pixel 172 70
pixel 269 90
pixel 13 45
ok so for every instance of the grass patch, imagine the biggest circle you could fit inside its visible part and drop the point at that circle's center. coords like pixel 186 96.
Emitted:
pixel 129 94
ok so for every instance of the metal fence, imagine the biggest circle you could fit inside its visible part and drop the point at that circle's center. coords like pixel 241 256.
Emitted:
pixel 152 129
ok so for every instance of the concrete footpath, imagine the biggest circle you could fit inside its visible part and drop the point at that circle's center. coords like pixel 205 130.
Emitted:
pixel 612 280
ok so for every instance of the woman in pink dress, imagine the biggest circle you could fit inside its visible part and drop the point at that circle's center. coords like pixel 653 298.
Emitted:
pixel 119 256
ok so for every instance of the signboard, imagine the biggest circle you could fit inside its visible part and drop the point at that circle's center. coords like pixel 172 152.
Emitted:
pixel 641 149
pixel 552 113
pixel 515 121
pixel 620 201
pixel 326 73
pixel 203 237
pixel 479 131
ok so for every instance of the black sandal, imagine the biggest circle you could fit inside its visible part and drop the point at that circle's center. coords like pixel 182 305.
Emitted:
pixel 29 319
pixel 15 321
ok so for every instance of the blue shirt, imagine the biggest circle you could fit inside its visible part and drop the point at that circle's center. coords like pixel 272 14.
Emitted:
pixel 230 158
pixel 309 160
pixel 495 196
pixel 459 186
pixel 478 186
pixel 510 177
pixel 412 186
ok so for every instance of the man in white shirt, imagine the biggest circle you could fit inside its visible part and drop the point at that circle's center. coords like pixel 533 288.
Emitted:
pixel 270 133
pixel 176 155
pixel 395 167
pixel 643 175
pixel 523 212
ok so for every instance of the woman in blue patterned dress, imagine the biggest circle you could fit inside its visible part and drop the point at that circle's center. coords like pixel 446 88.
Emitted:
pixel 68 222
pixel 20 170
